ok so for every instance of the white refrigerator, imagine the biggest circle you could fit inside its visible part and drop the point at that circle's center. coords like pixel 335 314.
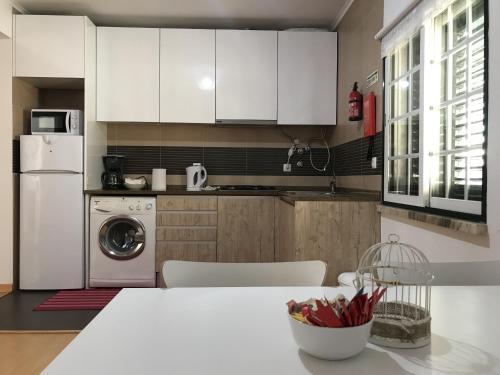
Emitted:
pixel 51 212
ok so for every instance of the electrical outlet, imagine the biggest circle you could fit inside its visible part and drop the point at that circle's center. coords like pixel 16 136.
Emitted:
pixel 287 167
pixel 374 162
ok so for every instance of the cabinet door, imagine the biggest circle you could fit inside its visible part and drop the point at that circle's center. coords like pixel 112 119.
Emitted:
pixel 307 78
pixel 49 46
pixel 5 19
pixel 246 73
pixel 245 231
pixel 187 76
pixel 128 64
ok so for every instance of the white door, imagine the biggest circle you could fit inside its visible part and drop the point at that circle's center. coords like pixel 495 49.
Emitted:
pixel 51 231
pixel 62 153
pixel 49 46
pixel 246 75
pixel 187 76
pixel 307 78
pixel 128 64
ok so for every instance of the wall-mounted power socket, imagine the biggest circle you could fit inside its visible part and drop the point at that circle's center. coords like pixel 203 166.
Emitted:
pixel 287 167
pixel 374 162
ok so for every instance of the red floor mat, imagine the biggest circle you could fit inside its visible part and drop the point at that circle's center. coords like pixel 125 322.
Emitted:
pixel 85 299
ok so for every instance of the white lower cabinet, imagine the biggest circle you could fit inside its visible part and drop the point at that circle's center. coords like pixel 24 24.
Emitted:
pixel 307 78
pixel 187 75
pixel 128 74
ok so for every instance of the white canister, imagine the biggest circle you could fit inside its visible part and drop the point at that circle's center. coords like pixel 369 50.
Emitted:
pixel 159 180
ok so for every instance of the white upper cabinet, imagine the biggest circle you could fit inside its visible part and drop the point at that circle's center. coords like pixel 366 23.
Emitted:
pixel 128 76
pixel 49 46
pixel 246 75
pixel 307 78
pixel 5 19
pixel 187 76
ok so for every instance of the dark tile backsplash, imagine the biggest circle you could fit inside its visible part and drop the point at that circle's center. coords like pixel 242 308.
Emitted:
pixel 350 159
pixel 218 160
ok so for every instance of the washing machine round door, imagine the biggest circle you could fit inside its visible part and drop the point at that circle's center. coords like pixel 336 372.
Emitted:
pixel 122 237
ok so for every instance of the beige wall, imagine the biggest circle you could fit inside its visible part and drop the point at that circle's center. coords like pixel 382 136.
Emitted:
pixel 6 187
pixel 359 56
pixel 209 135
pixel 25 97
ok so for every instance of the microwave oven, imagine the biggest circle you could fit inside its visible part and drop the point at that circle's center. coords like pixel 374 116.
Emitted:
pixel 57 121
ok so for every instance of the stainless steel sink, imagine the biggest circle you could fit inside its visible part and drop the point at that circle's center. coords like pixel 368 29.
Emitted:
pixel 308 193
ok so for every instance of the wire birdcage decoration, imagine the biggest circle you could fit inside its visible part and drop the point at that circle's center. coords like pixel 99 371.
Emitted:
pixel 402 317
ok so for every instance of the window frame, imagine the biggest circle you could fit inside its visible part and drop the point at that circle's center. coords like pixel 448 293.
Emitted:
pixel 413 200
pixel 445 206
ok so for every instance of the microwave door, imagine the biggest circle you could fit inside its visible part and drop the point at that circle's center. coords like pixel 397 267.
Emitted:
pixel 43 122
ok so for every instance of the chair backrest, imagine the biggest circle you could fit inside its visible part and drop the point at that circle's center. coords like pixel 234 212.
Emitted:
pixel 204 274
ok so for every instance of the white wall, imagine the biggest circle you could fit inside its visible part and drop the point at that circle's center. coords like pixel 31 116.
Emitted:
pixel 393 8
pixel 6 181
pixel 447 247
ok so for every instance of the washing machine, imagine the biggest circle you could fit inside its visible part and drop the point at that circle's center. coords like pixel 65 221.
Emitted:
pixel 122 242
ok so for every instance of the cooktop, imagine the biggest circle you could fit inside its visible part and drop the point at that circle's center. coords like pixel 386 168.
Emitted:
pixel 246 187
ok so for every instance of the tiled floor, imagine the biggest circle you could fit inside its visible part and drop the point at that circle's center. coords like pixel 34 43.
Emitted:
pixel 16 314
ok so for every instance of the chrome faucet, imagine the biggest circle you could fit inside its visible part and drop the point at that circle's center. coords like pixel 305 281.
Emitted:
pixel 333 186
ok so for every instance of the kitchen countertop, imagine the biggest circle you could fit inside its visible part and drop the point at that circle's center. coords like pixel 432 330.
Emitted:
pixel 305 193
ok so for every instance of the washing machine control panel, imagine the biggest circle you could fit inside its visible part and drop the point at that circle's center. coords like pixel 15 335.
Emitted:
pixel 122 205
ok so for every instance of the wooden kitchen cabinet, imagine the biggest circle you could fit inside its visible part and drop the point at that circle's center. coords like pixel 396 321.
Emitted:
pixel 336 232
pixel 307 78
pixel 284 234
pixel 49 46
pixel 186 228
pixel 128 74
pixel 246 71
pixel 245 231
pixel 187 75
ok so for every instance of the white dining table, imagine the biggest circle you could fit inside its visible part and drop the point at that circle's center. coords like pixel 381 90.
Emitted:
pixel 246 331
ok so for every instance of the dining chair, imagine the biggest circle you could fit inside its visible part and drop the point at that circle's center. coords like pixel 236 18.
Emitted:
pixel 206 274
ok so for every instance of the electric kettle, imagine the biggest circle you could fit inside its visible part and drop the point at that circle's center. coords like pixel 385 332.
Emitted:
pixel 196 177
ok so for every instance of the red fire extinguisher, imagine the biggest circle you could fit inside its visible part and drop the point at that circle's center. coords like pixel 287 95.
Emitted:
pixel 355 104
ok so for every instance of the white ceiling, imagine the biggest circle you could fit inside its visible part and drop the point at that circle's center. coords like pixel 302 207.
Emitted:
pixel 258 14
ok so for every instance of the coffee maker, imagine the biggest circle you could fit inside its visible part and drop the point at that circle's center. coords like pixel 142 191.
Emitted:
pixel 112 177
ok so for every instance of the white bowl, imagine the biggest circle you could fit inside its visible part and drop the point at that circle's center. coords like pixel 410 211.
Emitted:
pixel 330 343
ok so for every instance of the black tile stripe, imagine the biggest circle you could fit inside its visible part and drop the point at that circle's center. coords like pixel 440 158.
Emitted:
pixel 16 156
pixel 350 159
